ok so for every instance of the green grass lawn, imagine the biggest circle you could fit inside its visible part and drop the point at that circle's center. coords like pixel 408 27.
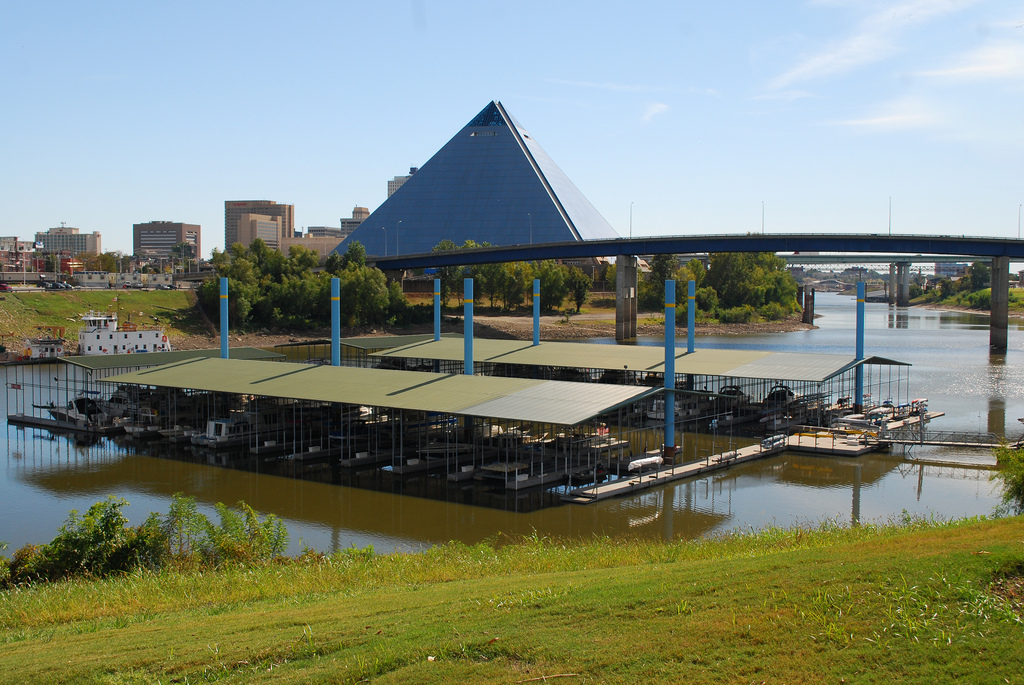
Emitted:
pixel 911 603
pixel 21 313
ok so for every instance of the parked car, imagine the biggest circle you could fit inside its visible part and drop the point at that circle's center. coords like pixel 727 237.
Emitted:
pixel 6 288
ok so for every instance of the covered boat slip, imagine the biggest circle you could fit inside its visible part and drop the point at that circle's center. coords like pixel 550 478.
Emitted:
pixel 716 388
pixel 510 432
pixel 33 394
pixel 353 351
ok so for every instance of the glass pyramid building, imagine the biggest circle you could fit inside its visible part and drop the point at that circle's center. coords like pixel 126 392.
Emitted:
pixel 491 183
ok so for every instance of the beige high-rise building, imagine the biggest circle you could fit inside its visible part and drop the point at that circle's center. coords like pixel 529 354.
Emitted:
pixel 70 240
pixel 398 181
pixel 268 228
pixel 234 210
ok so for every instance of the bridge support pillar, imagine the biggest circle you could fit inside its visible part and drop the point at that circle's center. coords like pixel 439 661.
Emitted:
pixel 625 297
pixel 891 285
pixel 903 287
pixel 997 331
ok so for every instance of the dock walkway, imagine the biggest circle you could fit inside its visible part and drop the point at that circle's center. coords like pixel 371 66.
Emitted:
pixel 823 442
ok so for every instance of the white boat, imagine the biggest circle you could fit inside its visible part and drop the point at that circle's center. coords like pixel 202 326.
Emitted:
pixel 81 412
pixel 223 433
pixel 101 334
pixel 638 464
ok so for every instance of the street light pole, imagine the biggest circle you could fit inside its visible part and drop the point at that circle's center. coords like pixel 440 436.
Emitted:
pixel 631 220
pixel 530 217
pixel 1018 220
pixel 398 226
pixel 383 228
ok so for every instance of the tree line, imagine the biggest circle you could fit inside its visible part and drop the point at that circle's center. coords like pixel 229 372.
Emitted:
pixel 270 289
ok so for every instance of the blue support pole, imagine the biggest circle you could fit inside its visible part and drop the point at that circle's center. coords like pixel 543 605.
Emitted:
pixel 536 311
pixel 467 326
pixel 437 309
pixel 335 322
pixel 859 382
pixel 691 314
pixel 670 369
pixel 223 318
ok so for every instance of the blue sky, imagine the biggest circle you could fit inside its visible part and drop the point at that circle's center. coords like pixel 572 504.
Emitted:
pixel 694 113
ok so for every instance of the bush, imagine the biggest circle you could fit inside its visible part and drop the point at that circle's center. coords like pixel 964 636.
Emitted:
pixel 742 314
pixel 773 311
pixel 1011 472
pixel 981 299
pixel 5 567
pixel 100 543
pixel 96 544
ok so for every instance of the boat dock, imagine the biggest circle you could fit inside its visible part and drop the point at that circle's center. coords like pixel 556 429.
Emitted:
pixel 824 442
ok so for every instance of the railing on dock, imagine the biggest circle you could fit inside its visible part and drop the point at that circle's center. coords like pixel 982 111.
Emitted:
pixel 953 438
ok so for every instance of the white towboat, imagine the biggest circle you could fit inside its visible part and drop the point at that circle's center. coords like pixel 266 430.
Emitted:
pixel 101 334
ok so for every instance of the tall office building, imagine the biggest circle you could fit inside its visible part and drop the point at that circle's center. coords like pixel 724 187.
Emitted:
pixel 67 239
pixel 235 210
pixel 269 229
pixel 359 215
pixel 398 181
pixel 158 238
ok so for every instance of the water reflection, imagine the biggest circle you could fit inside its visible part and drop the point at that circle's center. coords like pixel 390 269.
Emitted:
pixel 899 317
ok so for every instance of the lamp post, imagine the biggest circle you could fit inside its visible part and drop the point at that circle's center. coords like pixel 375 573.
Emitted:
pixel 631 220
pixel 530 217
pixel 1018 220
pixel 398 226
pixel 385 240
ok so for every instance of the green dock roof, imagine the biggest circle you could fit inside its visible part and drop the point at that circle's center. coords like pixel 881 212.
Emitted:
pixel 516 399
pixel 781 366
pixel 147 359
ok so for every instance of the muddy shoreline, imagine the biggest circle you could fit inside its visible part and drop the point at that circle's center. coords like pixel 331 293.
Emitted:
pixel 495 327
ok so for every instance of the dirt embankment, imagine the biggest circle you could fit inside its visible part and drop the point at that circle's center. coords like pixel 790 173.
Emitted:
pixel 498 327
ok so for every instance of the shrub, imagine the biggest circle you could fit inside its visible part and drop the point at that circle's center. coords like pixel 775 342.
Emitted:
pixel 742 314
pixel 773 311
pixel 1011 472
pixel 100 543
pixel 5 567
pixel 982 299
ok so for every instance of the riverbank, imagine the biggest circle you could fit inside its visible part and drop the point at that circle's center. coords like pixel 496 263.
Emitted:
pixel 916 602
pixel 503 327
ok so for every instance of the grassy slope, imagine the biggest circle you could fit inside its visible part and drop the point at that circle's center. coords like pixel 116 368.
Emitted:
pixel 22 312
pixel 865 605
pixel 1015 304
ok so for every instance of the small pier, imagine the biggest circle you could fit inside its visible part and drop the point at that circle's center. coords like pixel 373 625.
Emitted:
pixel 818 441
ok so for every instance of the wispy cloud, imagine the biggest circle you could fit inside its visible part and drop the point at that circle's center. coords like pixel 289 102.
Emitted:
pixel 996 60
pixel 907 113
pixel 654 110
pixel 874 39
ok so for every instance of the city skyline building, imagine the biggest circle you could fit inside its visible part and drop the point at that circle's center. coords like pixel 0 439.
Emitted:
pixel 359 215
pixel 235 209
pixel 68 239
pixel 270 229
pixel 398 181
pixel 492 182
pixel 158 238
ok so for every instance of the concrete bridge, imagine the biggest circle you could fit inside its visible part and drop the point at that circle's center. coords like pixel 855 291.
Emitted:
pixel 998 251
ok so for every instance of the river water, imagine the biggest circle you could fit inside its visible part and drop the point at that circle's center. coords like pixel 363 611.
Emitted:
pixel 45 476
